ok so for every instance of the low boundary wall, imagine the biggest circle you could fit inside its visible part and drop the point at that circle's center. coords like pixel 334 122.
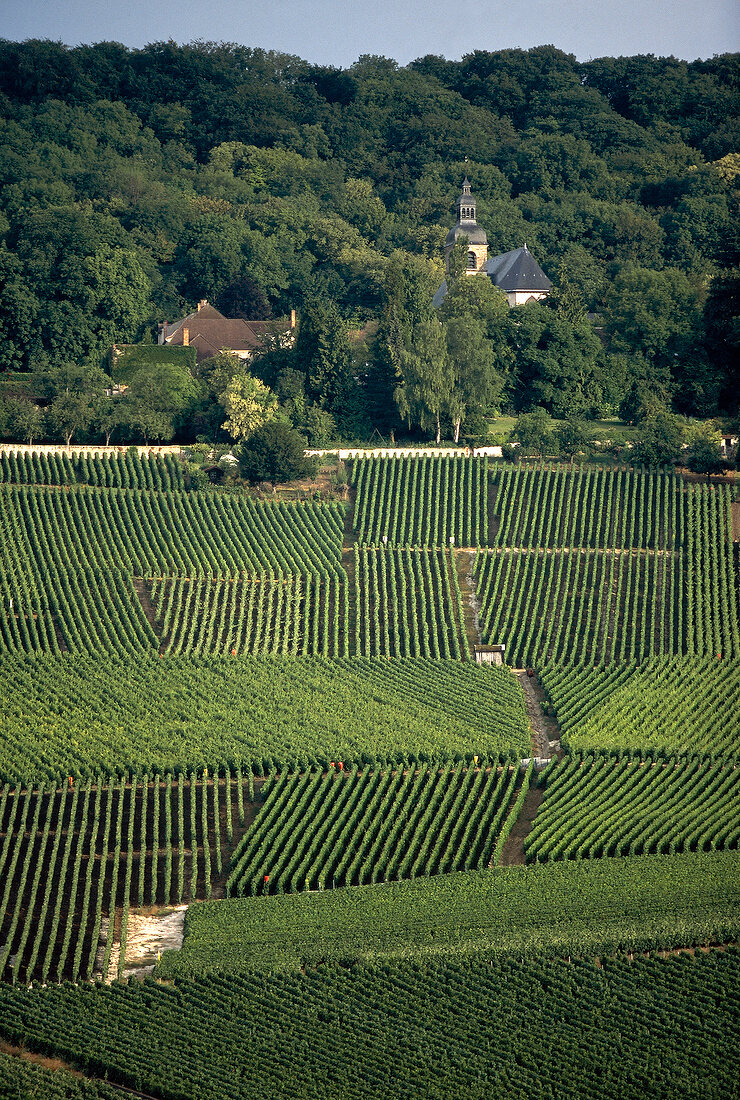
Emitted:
pixel 404 452
pixel 86 448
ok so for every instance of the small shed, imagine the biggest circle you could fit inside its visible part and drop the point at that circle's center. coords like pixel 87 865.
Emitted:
pixel 215 474
pixel 489 654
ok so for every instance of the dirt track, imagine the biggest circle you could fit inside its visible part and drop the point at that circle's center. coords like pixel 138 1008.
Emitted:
pixel 544 729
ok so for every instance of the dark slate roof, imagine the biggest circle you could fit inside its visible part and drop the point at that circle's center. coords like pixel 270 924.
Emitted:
pixel 517 270
pixel 471 230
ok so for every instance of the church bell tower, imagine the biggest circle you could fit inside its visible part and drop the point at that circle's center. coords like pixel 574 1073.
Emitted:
pixel 468 227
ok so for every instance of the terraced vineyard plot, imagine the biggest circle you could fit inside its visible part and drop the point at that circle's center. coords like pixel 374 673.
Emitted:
pixel 650 1027
pixel 676 592
pixel 555 506
pixel 70 855
pixel 608 807
pixel 571 605
pixel 583 906
pixel 67 560
pixel 290 615
pixel 665 706
pixel 82 715
pixel 710 571
pixel 579 606
pixel 126 471
pixel 421 501
pixel 408 604
pixel 315 831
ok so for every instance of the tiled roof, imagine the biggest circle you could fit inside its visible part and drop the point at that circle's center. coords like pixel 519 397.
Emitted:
pixel 440 296
pixel 517 270
pixel 209 331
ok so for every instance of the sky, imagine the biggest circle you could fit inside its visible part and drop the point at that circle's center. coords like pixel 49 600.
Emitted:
pixel 337 32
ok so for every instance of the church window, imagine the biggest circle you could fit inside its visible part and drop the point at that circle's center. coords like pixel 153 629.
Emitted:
pixel 472 264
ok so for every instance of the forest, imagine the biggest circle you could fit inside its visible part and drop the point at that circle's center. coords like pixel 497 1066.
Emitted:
pixel 135 183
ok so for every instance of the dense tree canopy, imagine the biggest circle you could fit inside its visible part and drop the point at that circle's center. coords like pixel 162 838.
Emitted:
pixel 135 182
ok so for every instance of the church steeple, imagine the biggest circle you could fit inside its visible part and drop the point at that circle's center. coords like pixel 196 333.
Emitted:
pixel 468 227
pixel 516 273
pixel 466 204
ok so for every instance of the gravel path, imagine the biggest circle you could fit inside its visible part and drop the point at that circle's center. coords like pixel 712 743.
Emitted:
pixel 545 731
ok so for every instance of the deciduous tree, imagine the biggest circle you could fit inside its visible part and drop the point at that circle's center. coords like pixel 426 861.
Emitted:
pixel 248 404
pixel 426 380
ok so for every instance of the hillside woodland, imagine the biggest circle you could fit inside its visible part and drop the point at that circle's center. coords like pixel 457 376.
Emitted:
pixel 135 183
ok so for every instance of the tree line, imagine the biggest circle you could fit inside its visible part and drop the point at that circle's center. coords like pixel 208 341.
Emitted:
pixel 135 182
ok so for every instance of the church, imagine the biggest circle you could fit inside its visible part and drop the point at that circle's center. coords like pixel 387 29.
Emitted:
pixel 516 273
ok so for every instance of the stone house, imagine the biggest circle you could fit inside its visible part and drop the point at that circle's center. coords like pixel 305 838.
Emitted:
pixel 209 332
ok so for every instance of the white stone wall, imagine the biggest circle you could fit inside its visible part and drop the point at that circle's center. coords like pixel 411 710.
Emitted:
pixel 405 452
pixel 91 450
pixel 519 297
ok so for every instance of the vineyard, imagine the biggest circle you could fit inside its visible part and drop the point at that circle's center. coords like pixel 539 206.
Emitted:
pixel 82 716
pixel 366 826
pixel 578 606
pixel 436 1028
pixel 70 854
pixel 405 873
pixel 111 471
pixel 577 906
pixel 263 615
pixel 409 604
pixel 545 506
pixel 662 706
pixel 421 501
pixel 620 807
pixel 37 1082
pixel 587 580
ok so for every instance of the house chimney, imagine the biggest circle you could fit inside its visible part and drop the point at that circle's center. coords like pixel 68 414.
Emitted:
pixel 292 318
pixel 201 303
pixel 186 337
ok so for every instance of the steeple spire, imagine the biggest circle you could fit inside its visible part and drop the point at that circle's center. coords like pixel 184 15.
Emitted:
pixel 468 227
pixel 466 204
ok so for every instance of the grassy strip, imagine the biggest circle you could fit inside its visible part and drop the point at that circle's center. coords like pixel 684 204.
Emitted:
pixel 584 907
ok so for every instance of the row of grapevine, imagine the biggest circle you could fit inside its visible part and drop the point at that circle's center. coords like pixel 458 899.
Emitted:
pixel 553 505
pixel 712 592
pixel 579 605
pixel 665 705
pixel 515 1028
pixel 605 807
pixel 292 615
pixel 153 534
pixel 126 470
pixel 364 826
pixel 408 604
pixel 70 854
pixel 421 501
pixel 81 715
pixel 571 907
